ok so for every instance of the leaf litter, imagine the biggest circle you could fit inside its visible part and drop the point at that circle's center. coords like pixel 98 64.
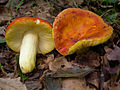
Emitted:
pixel 113 54
pixel 69 75
pixel 53 64
pixel 11 84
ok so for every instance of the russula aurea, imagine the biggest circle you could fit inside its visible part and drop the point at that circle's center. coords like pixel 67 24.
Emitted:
pixel 29 36
pixel 75 29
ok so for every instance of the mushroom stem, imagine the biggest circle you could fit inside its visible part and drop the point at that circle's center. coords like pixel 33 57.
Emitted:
pixel 28 52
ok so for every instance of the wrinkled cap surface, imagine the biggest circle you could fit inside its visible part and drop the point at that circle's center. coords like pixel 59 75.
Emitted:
pixel 16 30
pixel 74 29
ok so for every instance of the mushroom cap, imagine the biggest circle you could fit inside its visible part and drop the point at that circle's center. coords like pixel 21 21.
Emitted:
pixel 17 28
pixel 74 29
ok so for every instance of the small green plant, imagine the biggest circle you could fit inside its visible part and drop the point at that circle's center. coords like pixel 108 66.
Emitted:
pixel 18 7
pixel 110 15
pixel 51 7
pixel 2 68
pixel 75 4
pixel 10 6
pixel 2 41
pixel 23 77
pixel 117 75
pixel 108 1
pixel 48 3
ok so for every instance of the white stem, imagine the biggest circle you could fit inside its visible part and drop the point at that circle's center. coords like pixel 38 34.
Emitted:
pixel 28 52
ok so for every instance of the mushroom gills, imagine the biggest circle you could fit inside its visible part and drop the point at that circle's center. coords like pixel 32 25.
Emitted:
pixel 28 51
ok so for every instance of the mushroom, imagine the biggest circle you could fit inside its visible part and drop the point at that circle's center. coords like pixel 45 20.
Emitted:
pixel 29 36
pixel 75 29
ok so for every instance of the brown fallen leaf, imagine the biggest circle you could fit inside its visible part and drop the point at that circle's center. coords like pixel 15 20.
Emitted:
pixel 49 59
pixel 116 87
pixel 106 73
pixel 59 63
pixel 3 2
pixel 94 79
pixel 52 83
pixel 43 61
pixel 11 84
pixel 70 74
pixel 75 72
pixel 111 85
pixel 71 79
pixel 60 67
pixel 113 54
pixel 88 59
pixel 75 84
pixel 33 85
pixel 113 70
pixel 2 31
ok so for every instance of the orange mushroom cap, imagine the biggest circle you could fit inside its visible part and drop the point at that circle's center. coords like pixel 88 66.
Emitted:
pixel 27 19
pixel 74 29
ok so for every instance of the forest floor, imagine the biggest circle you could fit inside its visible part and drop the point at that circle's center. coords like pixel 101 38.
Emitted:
pixel 95 69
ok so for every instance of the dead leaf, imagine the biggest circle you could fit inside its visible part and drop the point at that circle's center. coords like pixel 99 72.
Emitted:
pixel 111 85
pixel 79 2
pixel 94 79
pixel 75 71
pixel 75 84
pixel 49 59
pixel 116 87
pixel 72 3
pixel 11 84
pixel 106 73
pixel 53 83
pixel 43 61
pixel 2 34
pixel 88 59
pixel 112 54
pixel 68 70
pixel 34 76
pixel 70 79
pixel 4 19
pixel 113 70
pixel 59 63
pixel 106 85
pixel 33 85
pixel 3 1
pixel 2 31
pixel 40 62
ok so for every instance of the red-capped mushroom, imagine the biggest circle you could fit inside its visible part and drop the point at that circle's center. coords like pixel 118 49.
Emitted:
pixel 74 29
pixel 29 36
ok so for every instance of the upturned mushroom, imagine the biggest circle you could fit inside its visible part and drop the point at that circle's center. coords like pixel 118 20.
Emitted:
pixel 29 36
pixel 75 29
